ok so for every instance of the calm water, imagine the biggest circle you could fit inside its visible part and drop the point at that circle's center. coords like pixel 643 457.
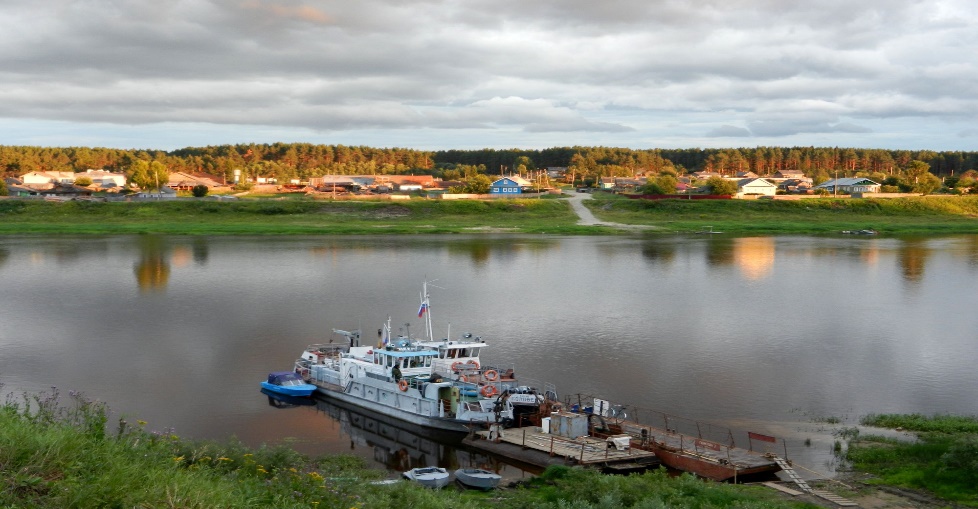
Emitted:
pixel 767 334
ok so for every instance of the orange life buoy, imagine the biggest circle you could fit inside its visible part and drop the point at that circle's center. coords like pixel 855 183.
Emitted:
pixel 489 391
pixel 473 363
pixel 456 365
pixel 403 385
pixel 462 378
pixel 491 375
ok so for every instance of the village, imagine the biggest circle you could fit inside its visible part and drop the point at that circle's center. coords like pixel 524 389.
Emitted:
pixel 55 185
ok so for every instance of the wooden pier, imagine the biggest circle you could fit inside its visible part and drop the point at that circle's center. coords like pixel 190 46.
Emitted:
pixel 530 445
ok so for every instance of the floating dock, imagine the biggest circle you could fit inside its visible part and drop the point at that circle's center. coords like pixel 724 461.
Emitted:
pixel 532 446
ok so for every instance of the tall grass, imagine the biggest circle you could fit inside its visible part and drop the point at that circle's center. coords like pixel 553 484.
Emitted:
pixel 943 460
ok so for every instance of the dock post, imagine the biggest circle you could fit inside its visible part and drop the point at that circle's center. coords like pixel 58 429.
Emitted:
pixel 551 446
pixel 524 438
pixel 582 452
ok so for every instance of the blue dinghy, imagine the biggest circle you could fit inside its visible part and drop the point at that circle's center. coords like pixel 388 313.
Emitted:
pixel 288 383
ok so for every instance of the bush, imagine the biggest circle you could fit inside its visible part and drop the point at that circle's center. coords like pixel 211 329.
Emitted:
pixel 199 191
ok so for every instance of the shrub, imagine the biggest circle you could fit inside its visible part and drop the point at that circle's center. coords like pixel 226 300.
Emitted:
pixel 199 191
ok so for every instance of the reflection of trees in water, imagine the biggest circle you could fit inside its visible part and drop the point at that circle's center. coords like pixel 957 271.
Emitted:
pixel 152 270
pixel 4 254
pixel 971 249
pixel 913 257
pixel 661 252
pixel 719 252
pixel 479 249
pixel 200 250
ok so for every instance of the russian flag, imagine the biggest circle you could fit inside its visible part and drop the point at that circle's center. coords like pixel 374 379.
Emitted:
pixel 422 309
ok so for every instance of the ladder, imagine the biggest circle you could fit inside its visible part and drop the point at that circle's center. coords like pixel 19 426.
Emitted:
pixel 790 471
pixel 831 497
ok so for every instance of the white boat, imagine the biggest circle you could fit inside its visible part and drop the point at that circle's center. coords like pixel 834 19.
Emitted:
pixel 442 383
pixel 477 478
pixel 429 477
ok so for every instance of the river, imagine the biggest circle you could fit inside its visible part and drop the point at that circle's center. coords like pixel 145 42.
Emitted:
pixel 791 336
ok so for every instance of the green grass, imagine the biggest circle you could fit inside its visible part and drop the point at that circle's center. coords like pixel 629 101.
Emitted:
pixel 943 460
pixel 298 215
pixel 922 215
pixel 57 455
pixel 289 217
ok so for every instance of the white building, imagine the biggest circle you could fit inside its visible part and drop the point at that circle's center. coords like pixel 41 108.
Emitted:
pixel 755 187
pixel 850 185
pixel 47 177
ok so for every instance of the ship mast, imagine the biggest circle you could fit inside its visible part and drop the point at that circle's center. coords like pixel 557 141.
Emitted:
pixel 425 311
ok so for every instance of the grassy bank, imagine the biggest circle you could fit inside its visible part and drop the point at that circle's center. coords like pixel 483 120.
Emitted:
pixel 919 215
pixel 289 217
pixel 943 459
pixel 74 456
pixel 302 216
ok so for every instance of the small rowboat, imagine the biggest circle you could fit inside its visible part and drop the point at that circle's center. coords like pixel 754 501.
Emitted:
pixel 429 477
pixel 477 478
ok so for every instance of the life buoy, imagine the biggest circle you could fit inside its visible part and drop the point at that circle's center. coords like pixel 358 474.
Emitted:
pixel 456 365
pixel 403 385
pixel 489 391
pixel 473 363
pixel 492 375
pixel 462 378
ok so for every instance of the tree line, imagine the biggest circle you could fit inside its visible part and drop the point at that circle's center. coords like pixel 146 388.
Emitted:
pixel 288 161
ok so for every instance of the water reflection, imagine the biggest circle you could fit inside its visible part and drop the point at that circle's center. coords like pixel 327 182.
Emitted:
pixel 663 253
pixel 153 267
pixel 754 256
pixel 913 255
pixel 719 252
pixel 399 446
pixel 832 326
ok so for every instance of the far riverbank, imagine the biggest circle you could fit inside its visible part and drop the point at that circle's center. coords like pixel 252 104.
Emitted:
pixel 614 215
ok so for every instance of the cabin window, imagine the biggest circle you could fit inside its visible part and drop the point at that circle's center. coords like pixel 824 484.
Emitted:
pixel 473 352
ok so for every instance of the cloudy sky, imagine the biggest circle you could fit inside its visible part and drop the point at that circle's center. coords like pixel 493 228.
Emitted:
pixel 439 74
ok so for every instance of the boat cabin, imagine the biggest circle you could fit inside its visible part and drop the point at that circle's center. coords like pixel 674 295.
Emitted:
pixel 411 363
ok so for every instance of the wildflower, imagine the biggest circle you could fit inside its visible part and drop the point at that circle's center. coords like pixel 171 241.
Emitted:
pixel 141 422
pixel 178 459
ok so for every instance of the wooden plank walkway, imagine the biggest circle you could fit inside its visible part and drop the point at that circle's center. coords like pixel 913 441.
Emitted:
pixel 803 485
pixel 836 499
pixel 583 450
pixel 795 478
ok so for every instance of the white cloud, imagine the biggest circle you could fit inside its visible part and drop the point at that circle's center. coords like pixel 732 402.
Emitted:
pixel 635 73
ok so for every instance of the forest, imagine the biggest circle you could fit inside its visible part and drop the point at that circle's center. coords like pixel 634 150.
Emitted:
pixel 287 161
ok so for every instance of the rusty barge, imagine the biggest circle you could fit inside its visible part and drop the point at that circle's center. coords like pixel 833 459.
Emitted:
pixel 690 451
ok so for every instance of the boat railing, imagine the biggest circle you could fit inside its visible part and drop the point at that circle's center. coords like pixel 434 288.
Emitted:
pixel 321 373
pixel 664 422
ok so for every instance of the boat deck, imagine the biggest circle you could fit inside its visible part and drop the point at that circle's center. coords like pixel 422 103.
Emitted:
pixel 545 448
pixel 708 450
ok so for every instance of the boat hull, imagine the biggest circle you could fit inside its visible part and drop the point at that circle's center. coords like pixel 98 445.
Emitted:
pixel 375 410
pixel 304 390
pixel 706 468
pixel 429 477
pixel 477 478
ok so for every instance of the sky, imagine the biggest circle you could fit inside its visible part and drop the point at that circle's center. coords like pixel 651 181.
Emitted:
pixel 472 74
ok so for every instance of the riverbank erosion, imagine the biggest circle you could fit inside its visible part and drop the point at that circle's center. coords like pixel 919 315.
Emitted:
pixel 604 214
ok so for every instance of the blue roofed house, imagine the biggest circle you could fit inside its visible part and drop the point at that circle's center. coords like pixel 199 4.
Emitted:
pixel 509 185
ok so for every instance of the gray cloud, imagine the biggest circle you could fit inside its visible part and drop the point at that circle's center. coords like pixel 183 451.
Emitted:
pixel 728 131
pixel 639 72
